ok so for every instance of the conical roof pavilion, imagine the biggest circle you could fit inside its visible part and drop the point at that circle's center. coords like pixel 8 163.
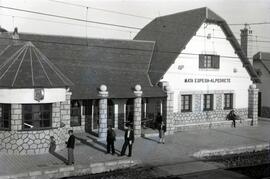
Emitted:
pixel 22 65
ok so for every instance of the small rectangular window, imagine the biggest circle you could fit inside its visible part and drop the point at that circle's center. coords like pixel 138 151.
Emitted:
pixel 5 116
pixel 37 116
pixel 228 101
pixel 208 102
pixel 186 103
pixel 209 61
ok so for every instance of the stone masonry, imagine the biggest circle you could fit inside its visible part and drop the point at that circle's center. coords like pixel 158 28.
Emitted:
pixel 21 142
pixel 168 110
pixel 253 103
pixel 16 117
pixel 103 93
pixel 137 110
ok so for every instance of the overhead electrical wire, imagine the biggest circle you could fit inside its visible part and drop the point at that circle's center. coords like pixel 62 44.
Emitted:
pixel 95 22
pixel 69 18
pixel 101 9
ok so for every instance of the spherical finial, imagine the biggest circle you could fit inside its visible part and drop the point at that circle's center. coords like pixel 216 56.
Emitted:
pixel 253 86
pixel 138 87
pixel 167 88
pixel 103 88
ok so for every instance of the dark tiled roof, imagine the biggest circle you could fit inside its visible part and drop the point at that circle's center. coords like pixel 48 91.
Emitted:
pixel 264 58
pixel 88 63
pixel 25 66
pixel 172 33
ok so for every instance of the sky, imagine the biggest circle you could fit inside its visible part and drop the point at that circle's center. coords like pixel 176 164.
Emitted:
pixel 131 13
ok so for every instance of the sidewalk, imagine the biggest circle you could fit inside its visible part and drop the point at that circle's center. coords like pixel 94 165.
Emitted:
pixel 179 148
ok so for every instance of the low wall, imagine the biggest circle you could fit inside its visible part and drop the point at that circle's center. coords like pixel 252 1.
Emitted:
pixel 31 142
pixel 206 116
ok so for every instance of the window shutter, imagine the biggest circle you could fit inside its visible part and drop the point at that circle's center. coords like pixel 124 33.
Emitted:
pixel 216 61
pixel 201 61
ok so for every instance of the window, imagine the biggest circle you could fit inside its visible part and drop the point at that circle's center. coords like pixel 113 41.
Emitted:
pixel 208 102
pixel 228 101
pixel 186 103
pixel 209 61
pixel 37 116
pixel 5 116
pixel 75 113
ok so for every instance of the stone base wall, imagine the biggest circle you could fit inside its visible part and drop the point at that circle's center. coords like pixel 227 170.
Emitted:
pixel 31 142
pixel 209 116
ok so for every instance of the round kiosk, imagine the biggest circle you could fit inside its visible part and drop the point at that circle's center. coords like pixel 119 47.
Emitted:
pixel 34 101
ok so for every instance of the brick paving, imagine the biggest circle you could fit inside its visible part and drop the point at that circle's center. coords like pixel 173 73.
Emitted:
pixel 178 148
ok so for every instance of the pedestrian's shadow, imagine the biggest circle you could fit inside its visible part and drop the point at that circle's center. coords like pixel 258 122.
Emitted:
pixel 153 140
pixel 93 146
pixel 102 145
pixel 58 156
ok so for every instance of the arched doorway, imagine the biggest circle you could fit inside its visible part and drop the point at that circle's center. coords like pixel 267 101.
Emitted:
pixel 110 113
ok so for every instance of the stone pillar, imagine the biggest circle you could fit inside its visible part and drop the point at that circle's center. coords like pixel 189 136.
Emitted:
pixel 82 119
pixel 116 116
pixel 56 114
pixel 167 108
pixel 16 117
pixel 137 111
pixel 103 93
pixel 65 111
pixel 253 103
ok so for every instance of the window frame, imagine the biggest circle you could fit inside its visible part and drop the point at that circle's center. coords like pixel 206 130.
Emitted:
pixel 41 113
pixel 205 98
pixel 4 110
pixel 186 99
pixel 209 61
pixel 230 101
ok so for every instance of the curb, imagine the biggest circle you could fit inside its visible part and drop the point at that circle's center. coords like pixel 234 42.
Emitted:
pixel 234 150
pixel 76 170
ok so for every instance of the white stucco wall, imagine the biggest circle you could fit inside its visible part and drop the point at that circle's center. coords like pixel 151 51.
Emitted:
pixel 186 66
pixel 24 96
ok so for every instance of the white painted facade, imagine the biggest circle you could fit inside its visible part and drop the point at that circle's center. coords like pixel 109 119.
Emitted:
pixel 231 69
pixel 26 96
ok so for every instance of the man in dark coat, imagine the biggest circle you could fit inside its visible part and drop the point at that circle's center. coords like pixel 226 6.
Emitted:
pixel 232 116
pixel 158 120
pixel 110 140
pixel 129 140
pixel 70 147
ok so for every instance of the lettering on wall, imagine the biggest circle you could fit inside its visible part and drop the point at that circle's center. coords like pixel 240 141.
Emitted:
pixel 207 80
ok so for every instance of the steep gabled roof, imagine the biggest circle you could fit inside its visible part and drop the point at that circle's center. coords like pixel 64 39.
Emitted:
pixel 173 32
pixel 264 58
pixel 25 66
pixel 88 63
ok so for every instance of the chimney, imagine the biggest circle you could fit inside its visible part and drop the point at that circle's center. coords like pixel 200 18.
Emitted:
pixel 246 42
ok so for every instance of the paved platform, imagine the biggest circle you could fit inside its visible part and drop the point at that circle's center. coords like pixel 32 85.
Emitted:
pixel 178 149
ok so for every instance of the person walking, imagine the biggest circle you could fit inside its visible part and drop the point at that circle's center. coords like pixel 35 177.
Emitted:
pixel 129 140
pixel 70 146
pixel 162 130
pixel 110 140
pixel 158 120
